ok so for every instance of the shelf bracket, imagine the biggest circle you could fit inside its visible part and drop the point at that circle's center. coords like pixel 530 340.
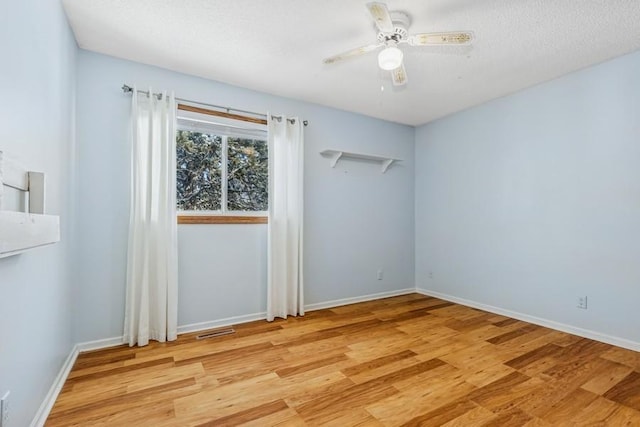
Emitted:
pixel 386 164
pixel 336 157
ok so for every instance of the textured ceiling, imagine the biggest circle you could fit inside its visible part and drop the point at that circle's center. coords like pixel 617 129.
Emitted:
pixel 277 46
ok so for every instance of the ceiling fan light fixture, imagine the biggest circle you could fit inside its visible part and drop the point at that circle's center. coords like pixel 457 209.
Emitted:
pixel 390 58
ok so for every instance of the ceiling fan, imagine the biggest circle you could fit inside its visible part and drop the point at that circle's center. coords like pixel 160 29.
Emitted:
pixel 392 31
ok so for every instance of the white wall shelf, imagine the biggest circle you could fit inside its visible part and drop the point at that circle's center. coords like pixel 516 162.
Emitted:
pixel 21 231
pixel 336 155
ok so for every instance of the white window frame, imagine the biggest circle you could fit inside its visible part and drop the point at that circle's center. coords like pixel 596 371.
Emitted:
pixel 198 125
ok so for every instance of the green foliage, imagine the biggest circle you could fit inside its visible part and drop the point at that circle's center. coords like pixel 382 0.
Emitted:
pixel 199 159
pixel 247 175
pixel 199 164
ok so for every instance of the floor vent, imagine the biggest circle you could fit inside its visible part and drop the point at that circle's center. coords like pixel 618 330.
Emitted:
pixel 216 333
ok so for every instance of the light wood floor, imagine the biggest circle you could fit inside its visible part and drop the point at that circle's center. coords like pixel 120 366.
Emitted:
pixel 409 360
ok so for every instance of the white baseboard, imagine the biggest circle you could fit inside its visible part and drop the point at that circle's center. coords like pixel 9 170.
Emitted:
pixel 585 333
pixel 228 321
pixel 52 394
pixel 353 300
pixel 100 344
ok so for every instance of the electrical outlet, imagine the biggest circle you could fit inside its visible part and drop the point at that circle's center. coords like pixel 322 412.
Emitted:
pixel 4 410
pixel 380 274
pixel 582 302
pixel 431 275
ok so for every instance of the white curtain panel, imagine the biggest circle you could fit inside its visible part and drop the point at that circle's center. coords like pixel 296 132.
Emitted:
pixel 152 261
pixel 285 273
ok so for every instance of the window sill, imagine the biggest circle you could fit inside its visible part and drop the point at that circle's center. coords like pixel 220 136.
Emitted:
pixel 221 219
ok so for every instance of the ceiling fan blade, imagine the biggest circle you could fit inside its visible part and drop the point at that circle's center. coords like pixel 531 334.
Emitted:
pixel 399 76
pixel 353 52
pixel 381 16
pixel 428 39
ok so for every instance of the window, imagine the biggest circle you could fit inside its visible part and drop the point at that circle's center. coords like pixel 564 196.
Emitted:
pixel 221 169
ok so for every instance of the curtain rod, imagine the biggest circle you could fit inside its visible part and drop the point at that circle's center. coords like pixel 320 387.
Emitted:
pixel 128 89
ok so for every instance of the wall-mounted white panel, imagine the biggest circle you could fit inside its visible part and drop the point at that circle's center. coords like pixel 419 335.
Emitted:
pixel 20 231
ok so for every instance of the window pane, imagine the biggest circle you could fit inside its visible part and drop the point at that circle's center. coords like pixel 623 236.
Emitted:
pixel 247 174
pixel 199 157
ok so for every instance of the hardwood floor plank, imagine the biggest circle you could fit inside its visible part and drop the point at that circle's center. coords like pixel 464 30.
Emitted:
pixel 247 415
pixel 157 413
pixel 386 369
pixel 120 370
pixel 573 403
pixel 476 355
pixel 547 350
pixel 537 422
pixel 416 401
pixel 469 325
pixel 499 387
pixel 506 322
pixel 439 306
pixel 442 415
pixel 516 398
pixel 475 417
pixel 363 393
pixel 513 418
pixel 327 388
pixel 226 374
pixel 222 401
pixel 435 348
pixel 377 362
pixel 285 418
pixel 624 357
pixel 627 391
pixel 109 406
pixel 562 383
pixel 611 375
pixel 596 413
pixel 400 314
pixel 536 368
pixel 93 360
pixel 328 406
pixel 623 416
pixel 480 376
pixel 293 370
pixel 342 417
pixel 512 334
pixel 227 355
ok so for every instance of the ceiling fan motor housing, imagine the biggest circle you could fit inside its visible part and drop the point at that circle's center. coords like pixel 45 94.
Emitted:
pixel 401 22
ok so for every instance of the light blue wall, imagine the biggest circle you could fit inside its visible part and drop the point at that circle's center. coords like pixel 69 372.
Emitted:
pixel 357 220
pixel 37 108
pixel 223 271
pixel 530 201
